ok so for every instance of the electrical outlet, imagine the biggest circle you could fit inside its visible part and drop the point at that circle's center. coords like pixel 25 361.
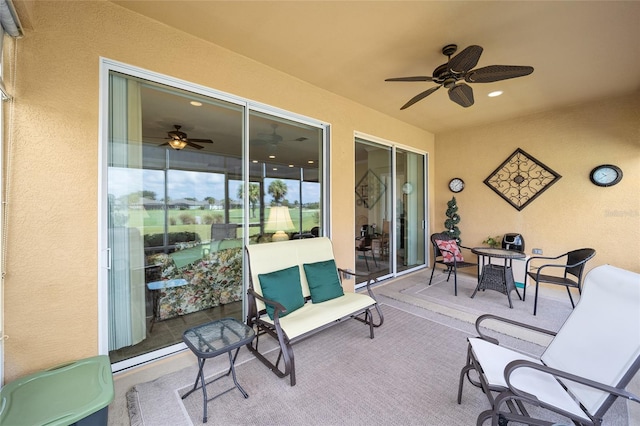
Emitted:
pixel 537 251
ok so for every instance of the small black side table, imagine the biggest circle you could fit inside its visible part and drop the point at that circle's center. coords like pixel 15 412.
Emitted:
pixel 212 339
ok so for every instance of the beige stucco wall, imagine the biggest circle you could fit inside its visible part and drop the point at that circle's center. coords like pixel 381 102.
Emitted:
pixel 51 287
pixel 571 214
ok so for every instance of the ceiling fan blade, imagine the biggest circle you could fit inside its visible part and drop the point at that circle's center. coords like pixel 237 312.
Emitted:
pixel 416 78
pixel 461 94
pixel 465 60
pixel 496 73
pixel 419 97
pixel 200 140
pixel 193 145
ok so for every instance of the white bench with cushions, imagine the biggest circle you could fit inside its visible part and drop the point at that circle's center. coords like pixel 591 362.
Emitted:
pixel 294 291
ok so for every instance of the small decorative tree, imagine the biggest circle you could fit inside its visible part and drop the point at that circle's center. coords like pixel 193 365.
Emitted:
pixel 452 220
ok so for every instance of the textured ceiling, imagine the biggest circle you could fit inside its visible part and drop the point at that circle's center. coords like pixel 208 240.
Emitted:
pixel 581 51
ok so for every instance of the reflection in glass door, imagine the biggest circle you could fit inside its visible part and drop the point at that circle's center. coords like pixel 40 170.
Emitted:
pixel 410 208
pixel 373 232
pixel 389 222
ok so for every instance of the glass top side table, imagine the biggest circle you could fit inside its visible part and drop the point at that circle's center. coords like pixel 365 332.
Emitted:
pixel 212 339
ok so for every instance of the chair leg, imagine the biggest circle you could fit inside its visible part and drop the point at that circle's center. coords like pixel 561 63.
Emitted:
pixel 573 305
pixel 455 282
pixel 535 300
pixel 432 271
pixel 364 254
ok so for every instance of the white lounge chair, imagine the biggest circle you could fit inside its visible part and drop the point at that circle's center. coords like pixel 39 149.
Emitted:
pixel 587 365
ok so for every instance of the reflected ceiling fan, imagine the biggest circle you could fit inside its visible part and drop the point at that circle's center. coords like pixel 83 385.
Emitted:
pixel 178 140
pixel 273 139
pixel 460 68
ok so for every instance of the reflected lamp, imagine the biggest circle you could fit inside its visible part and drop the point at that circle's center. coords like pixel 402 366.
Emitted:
pixel 278 222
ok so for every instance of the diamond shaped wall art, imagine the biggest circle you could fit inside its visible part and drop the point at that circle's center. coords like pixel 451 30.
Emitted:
pixel 521 179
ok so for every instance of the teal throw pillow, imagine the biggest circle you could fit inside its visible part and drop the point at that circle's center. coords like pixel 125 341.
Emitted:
pixel 323 279
pixel 284 287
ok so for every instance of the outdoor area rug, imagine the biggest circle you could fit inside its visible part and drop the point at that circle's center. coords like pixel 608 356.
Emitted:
pixel 553 303
pixel 406 375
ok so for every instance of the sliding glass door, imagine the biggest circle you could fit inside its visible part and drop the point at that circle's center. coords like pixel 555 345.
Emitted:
pixel 190 179
pixel 389 222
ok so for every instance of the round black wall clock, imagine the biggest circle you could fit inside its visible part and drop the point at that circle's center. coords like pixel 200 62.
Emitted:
pixel 456 185
pixel 606 175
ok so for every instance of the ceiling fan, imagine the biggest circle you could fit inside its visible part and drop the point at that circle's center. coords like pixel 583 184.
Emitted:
pixel 273 139
pixel 460 68
pixel 178 140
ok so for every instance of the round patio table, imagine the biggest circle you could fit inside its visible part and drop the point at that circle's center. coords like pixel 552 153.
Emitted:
pixel 497 277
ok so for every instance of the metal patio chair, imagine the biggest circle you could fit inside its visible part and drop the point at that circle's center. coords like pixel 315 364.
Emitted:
pixel 571 272
pixel 587 365
pixel 453 264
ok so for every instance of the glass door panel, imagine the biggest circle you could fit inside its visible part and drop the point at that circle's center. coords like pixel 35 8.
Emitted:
pixel 286 166
pixel 373 232
pixel 410 208
pixel 170 155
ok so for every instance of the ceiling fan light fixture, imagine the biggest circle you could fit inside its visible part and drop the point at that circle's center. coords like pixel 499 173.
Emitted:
pixel 177 144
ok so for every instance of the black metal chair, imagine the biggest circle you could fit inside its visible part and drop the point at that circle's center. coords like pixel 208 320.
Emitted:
pixel 453 266
pixel 571 277
pixel 363 246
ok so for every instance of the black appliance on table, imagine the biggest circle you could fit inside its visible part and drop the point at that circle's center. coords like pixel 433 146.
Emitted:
pixel 513 242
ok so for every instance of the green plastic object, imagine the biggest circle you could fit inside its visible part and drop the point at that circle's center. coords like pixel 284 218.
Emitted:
pixel 64 395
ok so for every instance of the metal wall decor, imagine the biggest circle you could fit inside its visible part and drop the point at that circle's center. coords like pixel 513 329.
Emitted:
pixel 369 189
pixel 521 179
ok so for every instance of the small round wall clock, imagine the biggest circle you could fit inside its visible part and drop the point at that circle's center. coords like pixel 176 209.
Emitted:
pixel 606 175
pixel 456 185
pixel 407 188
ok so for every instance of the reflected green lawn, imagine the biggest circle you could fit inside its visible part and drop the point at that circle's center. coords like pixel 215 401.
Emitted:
pixel 199 221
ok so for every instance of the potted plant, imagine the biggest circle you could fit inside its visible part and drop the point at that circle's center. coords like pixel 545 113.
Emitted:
pixel 493 242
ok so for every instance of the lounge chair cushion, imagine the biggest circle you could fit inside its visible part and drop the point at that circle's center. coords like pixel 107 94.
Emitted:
pixel 282 286
pixel 323 280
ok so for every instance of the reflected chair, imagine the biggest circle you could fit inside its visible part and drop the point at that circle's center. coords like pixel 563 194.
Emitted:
pixel 363 245
pixel 384 239
pixel 223 231
pixel 571 272
pixel 583 370
pixel 446 251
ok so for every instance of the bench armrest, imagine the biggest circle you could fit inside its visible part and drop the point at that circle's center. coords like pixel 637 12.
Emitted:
pixel 370 280
pixel 277 306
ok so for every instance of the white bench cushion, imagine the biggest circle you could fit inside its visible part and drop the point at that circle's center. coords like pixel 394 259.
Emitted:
pixel 312 315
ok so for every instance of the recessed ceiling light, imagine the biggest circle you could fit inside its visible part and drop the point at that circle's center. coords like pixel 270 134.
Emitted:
pixel 494 94
pixel 290 165
pixel 272 156
pixel 310 161
pixel 255 161
pixel 196 103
